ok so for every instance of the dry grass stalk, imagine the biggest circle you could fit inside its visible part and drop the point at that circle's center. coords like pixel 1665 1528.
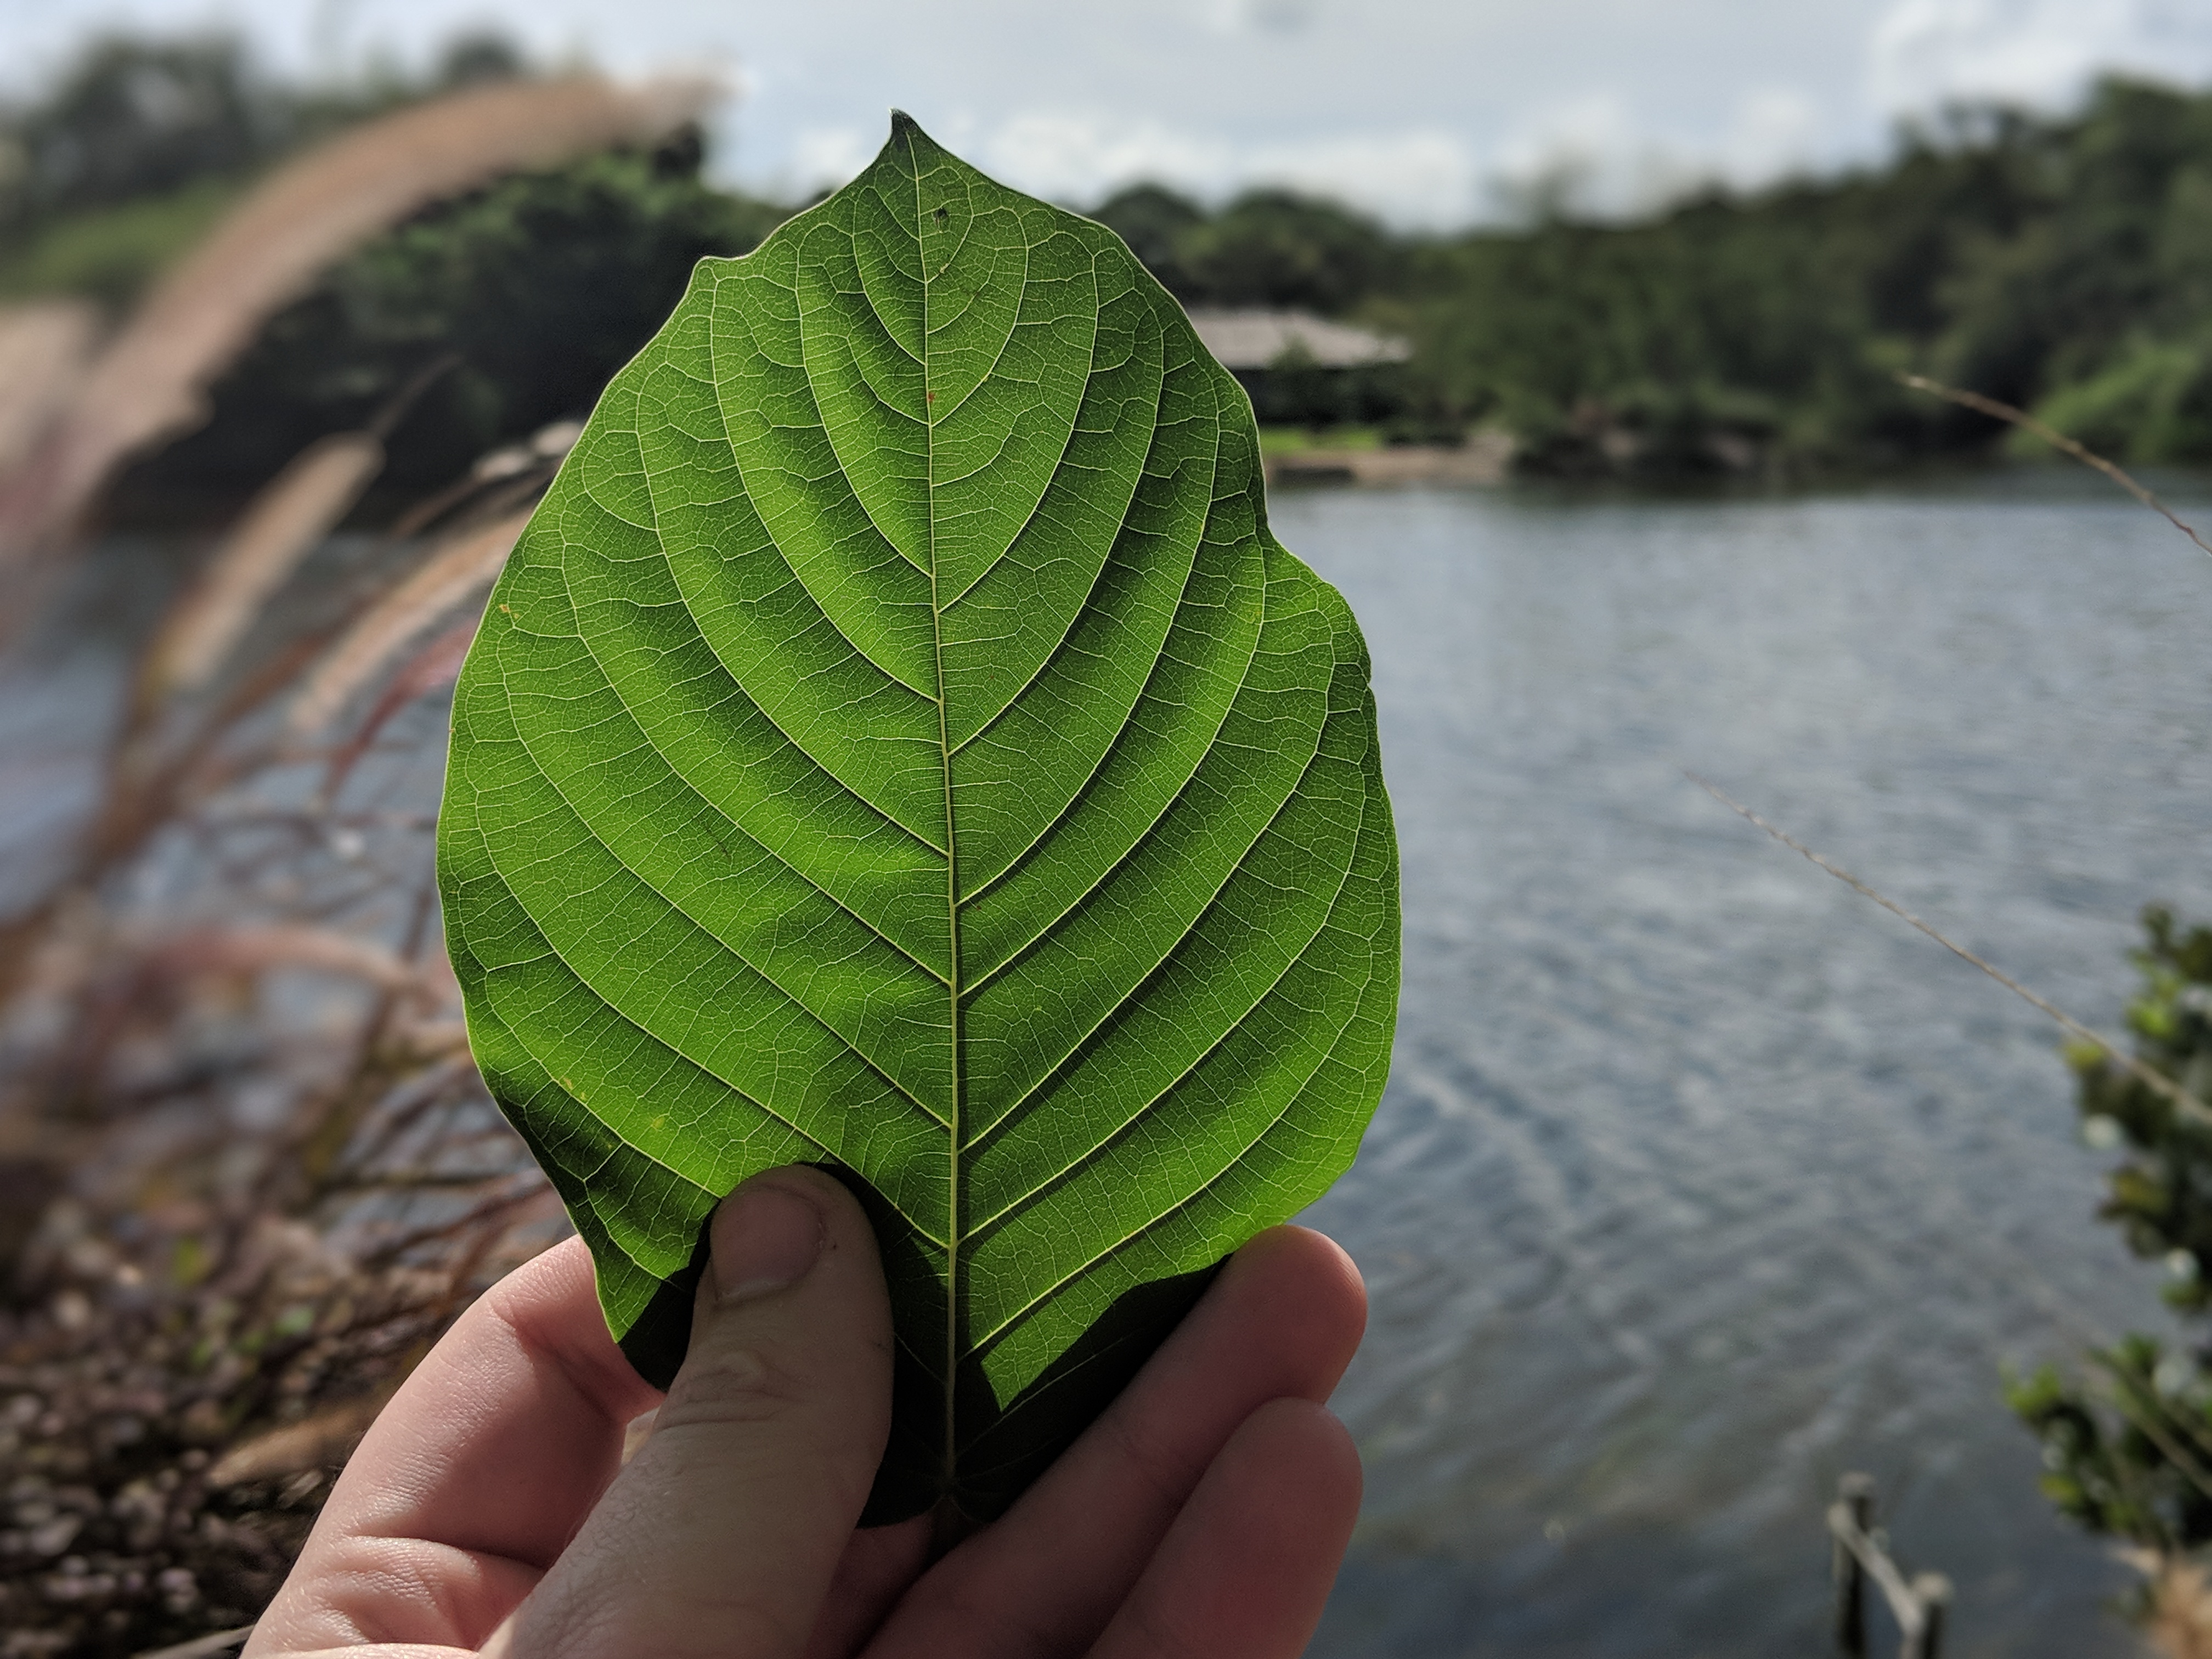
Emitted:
pixel 220 1645
pixel 2187 1104
pixel 435 665
pixel 455 572
pixel 234 1214
pixel 287 520
pixel 43 348
pixel 252 950
pixel 2058 440
pixel 150 383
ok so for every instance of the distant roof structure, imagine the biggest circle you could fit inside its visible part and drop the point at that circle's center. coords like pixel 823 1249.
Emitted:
pixel 1260 339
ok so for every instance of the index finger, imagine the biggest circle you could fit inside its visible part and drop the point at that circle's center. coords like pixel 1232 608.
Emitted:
pixel 1281 1321
pixel 474 1478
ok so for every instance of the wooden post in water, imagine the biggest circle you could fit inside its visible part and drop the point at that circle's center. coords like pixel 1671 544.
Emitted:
pixel 1933 1591
pixel 1854 1506
pixel 1861 1554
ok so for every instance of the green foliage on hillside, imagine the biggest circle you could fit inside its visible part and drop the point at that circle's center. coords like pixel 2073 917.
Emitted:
pixel 2061 263
pixel 2064 263
pixel 1269 248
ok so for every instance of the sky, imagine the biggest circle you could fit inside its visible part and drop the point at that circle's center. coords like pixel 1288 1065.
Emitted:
pixel 1429 113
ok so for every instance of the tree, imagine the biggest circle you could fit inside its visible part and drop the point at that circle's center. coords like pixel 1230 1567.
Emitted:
pixel 135 117
pixel 1153 219
pixel 1278 248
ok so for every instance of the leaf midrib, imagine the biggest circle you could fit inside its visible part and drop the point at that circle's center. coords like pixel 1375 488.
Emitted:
pixel 1136 1114
pixel 1229 1167
pixel 949 1469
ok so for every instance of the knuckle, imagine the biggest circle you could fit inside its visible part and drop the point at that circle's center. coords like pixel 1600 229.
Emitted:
pixel 731 1385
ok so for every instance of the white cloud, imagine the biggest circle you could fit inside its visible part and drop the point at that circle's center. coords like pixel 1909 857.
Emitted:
pixel 1422 177
pixel 1775 132
pixel 1591 154
pixel 1929 52
pixel 1271 16
pixel 828 156
pixel 1409 107
pixel 1585 154
pixel 1079 157
pixel 1590 148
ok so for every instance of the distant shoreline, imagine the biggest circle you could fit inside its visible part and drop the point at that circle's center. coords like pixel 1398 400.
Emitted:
pixel 1484 459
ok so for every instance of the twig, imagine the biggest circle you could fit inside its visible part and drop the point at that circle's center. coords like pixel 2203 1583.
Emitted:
pixel 2146 1411
pixel 493 1209
pixel 2051 435
pixel 205 1647
pixel 2186 1103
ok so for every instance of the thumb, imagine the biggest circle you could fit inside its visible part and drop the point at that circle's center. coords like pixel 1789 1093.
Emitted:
pixel 721 1535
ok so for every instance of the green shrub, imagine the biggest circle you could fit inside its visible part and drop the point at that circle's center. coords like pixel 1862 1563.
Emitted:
pixel 2128 1453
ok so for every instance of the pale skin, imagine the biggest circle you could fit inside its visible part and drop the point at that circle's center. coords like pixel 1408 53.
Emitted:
pixel 488 1513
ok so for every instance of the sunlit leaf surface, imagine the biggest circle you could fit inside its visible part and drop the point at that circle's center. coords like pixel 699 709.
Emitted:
pixel 897 742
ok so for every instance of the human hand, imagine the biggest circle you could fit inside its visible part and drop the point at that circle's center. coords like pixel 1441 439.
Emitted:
pixel 488 1513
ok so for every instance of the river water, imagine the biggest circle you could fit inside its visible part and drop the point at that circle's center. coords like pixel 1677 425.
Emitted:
pixel 1699 1180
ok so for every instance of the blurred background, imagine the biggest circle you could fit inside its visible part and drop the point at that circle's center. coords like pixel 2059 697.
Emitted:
pixel 1574 332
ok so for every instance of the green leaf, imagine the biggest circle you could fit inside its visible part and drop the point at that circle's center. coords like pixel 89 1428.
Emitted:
pixel 898 744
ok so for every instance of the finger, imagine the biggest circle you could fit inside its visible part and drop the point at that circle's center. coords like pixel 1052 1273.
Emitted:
pixel 473 1477
pixel 1246 1569
pixel 878 1564
pixel 720 1537
pixel 1281 1321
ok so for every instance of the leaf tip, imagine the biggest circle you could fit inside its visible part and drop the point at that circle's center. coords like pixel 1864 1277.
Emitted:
pixel 904 126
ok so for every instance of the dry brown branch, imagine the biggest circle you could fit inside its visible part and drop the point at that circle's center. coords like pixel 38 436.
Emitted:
pixel 437 664
pixel 219 1644
pixel 451 575
pixel 328 1436
pixel 288 519
pixel 538 456
pixel 150 383
pixel 43 348
pixel 2051 435
pixel 253 949
pixel 431 1040
pixel 530 1192
pixel 2157 1082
